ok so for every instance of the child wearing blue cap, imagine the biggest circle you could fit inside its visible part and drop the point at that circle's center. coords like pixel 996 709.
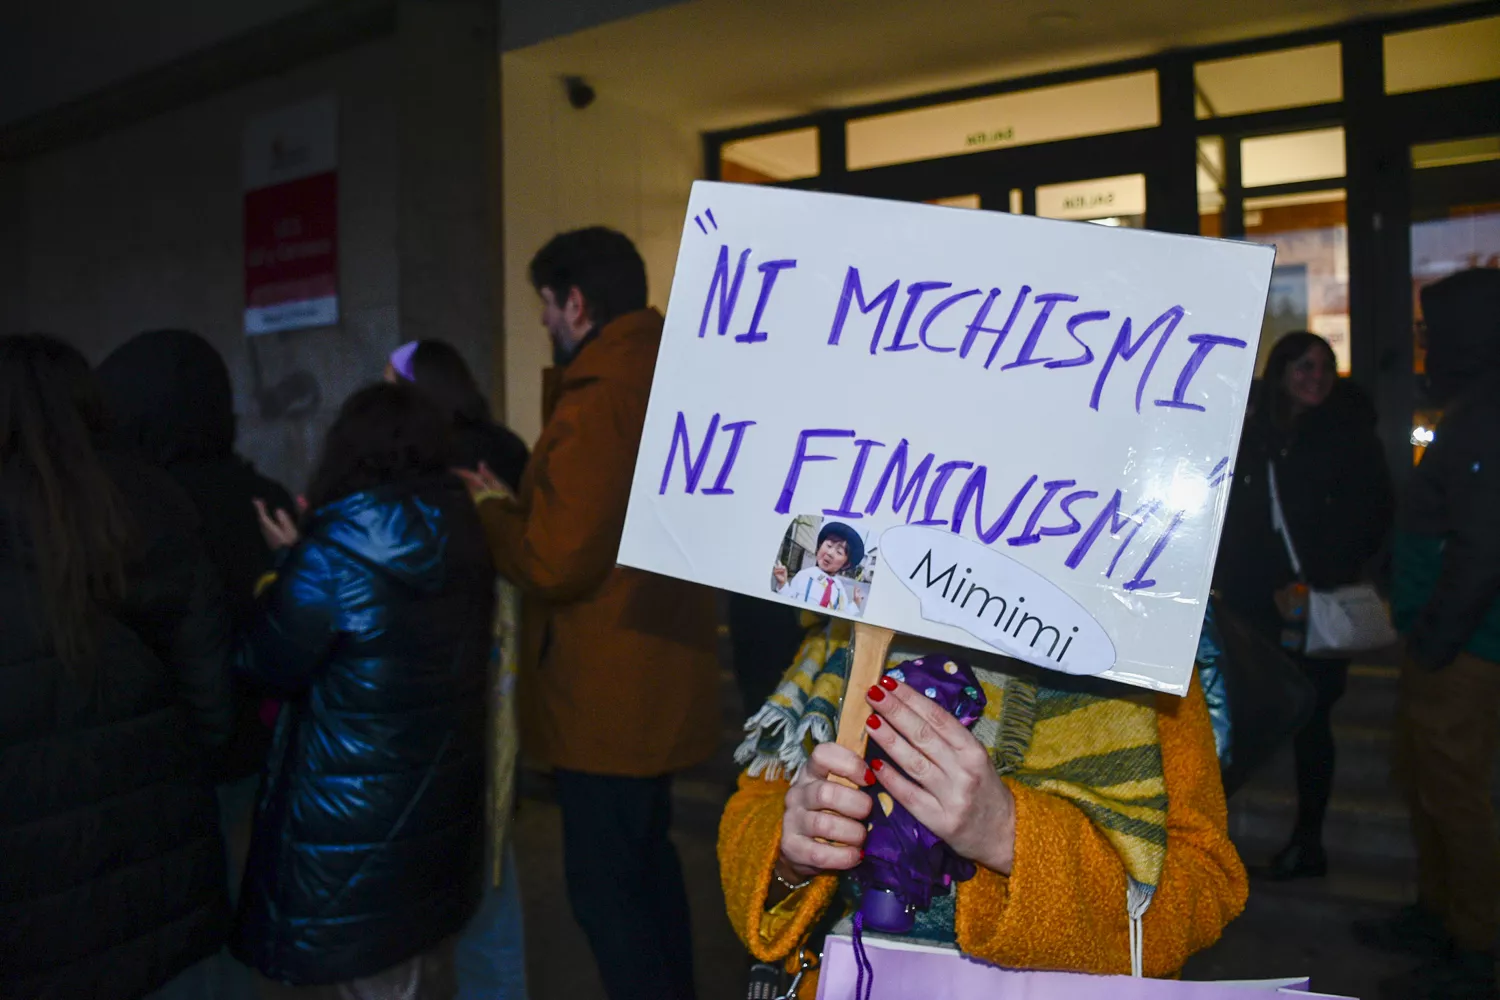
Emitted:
pixel 839 548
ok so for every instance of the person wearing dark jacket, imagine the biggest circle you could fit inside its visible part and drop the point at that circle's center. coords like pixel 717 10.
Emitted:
pixel 1318 432
pixel 170 401
pixel 365 860
pixel 491 953
pixel 619 681
pixel 438 370
pixel 114 683
pixel 1446 597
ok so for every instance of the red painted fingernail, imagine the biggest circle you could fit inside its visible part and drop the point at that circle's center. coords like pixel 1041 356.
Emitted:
pixel 861 855
pixel 889 683
pixel 877 765
pixel 873 722
pixel 869 776
pixel 875 693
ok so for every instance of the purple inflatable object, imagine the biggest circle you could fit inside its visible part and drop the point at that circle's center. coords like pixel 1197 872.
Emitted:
pixel 401 359
pixel 905 864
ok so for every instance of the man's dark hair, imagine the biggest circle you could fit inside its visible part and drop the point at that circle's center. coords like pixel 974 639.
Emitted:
pixel 601 263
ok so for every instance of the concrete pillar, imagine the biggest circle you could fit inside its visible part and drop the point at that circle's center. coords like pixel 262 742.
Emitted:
pixel 122 213
pixel 448 234
pixel 13 316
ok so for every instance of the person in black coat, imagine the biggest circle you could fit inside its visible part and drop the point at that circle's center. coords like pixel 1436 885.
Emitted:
pixel 1319 433
pixel 1445 596
pixel 170 401
pixel 365 860
pixel 439 371
pixel 114 683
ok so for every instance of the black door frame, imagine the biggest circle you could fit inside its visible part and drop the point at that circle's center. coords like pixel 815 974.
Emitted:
pixel 993 173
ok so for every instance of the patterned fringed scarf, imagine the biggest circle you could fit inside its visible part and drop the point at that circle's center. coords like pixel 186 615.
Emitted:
pixel 1070 738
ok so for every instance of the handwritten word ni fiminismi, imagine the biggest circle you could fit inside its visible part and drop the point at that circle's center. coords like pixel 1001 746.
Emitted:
pixel 960 494
pixel 986 325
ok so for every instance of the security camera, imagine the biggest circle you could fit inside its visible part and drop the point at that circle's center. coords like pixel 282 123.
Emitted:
pixel 580 94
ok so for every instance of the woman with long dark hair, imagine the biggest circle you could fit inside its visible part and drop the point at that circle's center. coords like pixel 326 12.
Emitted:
pixel 491 953
pixel 1319 434
pixel 114 685
pixel 365 860
pixel 439 371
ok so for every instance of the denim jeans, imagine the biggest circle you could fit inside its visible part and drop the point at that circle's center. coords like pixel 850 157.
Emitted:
pixel 491 952
pixel 625 885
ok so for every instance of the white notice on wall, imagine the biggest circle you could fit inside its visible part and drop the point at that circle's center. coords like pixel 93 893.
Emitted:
pixel 998 431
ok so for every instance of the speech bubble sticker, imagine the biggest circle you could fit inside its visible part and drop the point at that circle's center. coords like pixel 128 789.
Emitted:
pixel 996 599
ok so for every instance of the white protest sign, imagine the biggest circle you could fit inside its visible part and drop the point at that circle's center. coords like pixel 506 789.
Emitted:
pixel 997 431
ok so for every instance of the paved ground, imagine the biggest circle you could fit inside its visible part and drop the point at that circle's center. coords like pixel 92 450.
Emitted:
pixel 1303 929
pixel 559 966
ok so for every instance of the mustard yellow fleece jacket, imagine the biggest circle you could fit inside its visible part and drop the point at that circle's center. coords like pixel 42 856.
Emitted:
pixel 1063 904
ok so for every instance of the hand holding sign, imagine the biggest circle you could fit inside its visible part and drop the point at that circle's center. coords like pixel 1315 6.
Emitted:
pixel 954 789
pixel 823 825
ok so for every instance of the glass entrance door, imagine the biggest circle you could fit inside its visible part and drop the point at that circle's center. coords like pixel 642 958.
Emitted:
pixel 1108 201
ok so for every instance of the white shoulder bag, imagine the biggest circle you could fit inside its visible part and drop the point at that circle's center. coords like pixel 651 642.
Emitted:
pixel 1342 621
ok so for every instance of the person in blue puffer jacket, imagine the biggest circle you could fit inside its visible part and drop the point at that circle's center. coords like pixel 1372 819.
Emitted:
pixel 365 860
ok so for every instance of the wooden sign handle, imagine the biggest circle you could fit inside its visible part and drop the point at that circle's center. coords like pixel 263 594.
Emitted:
pixel 872 644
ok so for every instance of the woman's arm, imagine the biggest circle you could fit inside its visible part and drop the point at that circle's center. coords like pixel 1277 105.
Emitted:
pixel 295 620
pixel 563 544
pixel 1361 511
pixel 199 651
pixel 749 845
pixel 1063 906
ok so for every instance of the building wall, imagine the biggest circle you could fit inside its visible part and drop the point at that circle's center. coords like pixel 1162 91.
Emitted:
pixel 608 164
pixel 61 51
pixel 141 229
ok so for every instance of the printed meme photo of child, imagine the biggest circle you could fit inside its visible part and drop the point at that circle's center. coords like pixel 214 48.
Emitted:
pixel 824 564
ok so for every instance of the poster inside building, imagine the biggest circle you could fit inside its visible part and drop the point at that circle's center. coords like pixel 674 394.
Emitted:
pixel 291 218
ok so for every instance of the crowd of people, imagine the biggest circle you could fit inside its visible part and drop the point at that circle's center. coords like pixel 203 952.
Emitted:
pixel 246 738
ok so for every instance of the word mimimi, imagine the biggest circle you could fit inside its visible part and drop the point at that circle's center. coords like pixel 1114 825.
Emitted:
pixel 1012 627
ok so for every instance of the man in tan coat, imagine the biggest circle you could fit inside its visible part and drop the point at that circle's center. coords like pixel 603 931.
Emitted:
pixel 619 687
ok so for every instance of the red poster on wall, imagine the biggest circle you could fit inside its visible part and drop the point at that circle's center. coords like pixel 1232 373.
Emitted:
pixel 291 219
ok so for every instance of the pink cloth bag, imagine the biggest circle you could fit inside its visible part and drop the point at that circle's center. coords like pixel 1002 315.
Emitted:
pixel 903 970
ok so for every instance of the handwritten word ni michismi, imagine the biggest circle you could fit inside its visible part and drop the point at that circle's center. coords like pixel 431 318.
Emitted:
pixel 1034 328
